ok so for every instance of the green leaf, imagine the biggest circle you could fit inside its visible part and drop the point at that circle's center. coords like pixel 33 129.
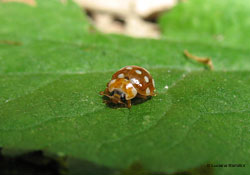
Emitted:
pixel 49 20
pixel 224 22
pixel 49 99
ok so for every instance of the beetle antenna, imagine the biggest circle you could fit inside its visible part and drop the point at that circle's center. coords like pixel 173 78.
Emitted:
pixel 103 93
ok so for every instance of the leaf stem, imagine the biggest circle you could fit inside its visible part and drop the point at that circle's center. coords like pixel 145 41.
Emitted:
pixel 204 60
pixel 10 42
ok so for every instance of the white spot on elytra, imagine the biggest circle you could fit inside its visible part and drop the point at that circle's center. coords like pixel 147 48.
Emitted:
pixel 148 91
pixel 146 79
pixel 121 76
pixel 135 81
pixel 138 71
pixel 129 68
pixel 112 81
pixel 153 81
pixel 129 86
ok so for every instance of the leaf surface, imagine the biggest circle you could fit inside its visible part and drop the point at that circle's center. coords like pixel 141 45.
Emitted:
pixel 49 98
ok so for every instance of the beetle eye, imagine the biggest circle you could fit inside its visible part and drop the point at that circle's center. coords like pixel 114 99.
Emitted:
pixel 112 93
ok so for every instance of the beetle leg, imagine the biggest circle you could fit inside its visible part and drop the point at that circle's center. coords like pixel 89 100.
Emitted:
pixel 104 92
pixel 154 94
pixel 129 104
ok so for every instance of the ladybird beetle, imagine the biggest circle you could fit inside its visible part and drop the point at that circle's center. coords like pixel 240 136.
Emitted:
pixel 127 83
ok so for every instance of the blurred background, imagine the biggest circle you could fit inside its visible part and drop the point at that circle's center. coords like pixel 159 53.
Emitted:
pixel 208 21
pixel 136 18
